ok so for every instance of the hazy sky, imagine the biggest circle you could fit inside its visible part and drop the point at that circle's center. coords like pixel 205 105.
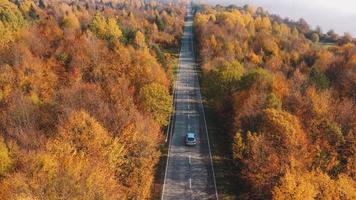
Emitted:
pixel 339 15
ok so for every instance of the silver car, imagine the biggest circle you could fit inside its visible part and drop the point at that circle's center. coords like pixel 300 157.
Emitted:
pixel 190 139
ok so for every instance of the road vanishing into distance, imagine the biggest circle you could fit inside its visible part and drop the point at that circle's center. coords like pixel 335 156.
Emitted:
pixel 189 172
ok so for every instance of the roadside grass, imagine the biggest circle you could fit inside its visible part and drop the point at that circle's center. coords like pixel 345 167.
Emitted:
pixel 171 50
pixel 226 173
pixel 161 165
pixel 160 171
pixel 175 69
pixel 323 45
pixel 173 62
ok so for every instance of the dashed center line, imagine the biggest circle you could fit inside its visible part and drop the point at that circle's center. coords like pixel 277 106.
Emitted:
pixel 190 183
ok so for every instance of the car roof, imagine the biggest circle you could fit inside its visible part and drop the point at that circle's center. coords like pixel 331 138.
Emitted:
pixel 190 134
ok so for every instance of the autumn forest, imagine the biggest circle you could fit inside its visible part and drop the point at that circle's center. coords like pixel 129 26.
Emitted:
pixel 285 100
pixel 86 95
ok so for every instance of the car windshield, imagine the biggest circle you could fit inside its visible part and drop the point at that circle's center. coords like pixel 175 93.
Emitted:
pixel 190 139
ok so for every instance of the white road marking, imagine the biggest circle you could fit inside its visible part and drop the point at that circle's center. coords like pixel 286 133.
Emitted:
pixel 206 126
pixel 182 83
pixel 174 96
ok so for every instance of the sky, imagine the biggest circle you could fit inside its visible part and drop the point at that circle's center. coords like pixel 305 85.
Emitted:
pixel 339 15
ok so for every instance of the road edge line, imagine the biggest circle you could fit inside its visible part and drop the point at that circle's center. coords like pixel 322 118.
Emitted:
pixel 173 118
pixel 205 124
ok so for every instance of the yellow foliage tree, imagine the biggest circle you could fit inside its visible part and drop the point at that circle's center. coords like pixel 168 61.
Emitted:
pixel 295 186
pixel 238 147
pixel 314 185
pixel 71 21
pixel 112 29
pixel 284 130
pixel 11 21
pixel 5 159
pixel 156 100
pixel 84 134
pixel 263 24
pixel 140 40
pixel 80 162
pixel 231 18
pixel 105 28
pixel 7 81
pixel 346 187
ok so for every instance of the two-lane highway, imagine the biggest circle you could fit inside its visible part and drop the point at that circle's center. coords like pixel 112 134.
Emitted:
pixel 189 172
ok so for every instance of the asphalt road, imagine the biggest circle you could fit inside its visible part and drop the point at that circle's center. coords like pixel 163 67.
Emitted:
pixel 189 172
